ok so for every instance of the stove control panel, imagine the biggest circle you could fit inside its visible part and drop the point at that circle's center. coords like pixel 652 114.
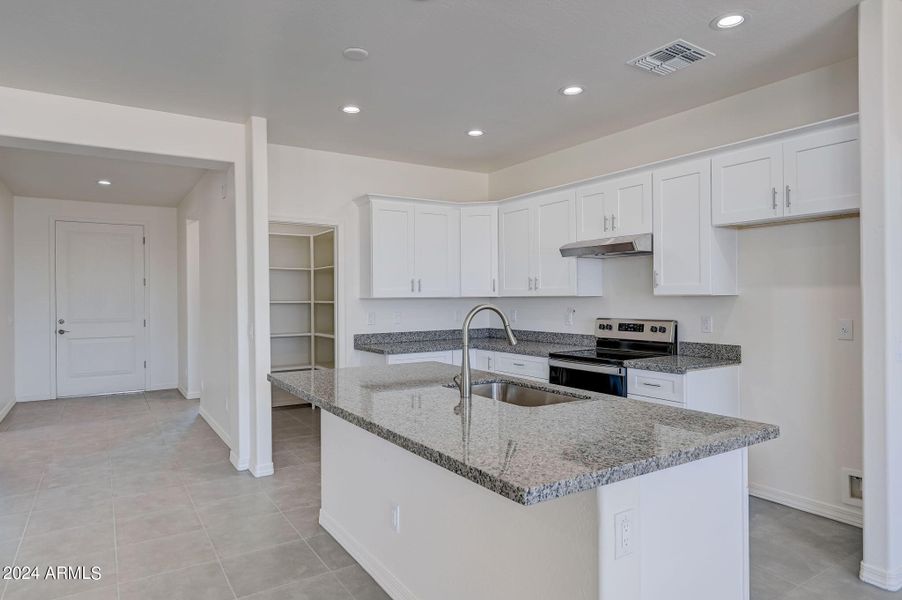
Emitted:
pixel 636 329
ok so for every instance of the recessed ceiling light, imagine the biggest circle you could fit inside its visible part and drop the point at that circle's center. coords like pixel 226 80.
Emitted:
pixel 350 109
pixel 104 182
pixel 355 53
pixel 728 21
pixel 572 90
pixel 475 132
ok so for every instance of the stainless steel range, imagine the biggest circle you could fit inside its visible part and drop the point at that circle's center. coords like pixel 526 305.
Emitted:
pixel 600 369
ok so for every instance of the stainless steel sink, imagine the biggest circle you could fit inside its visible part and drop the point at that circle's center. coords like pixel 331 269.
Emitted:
pixel 521 395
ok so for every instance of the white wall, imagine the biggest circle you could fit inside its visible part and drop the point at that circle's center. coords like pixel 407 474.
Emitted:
pixel 795 281
pixel 34 251
pixel 320 187
pixel 7 303
pixel 216 218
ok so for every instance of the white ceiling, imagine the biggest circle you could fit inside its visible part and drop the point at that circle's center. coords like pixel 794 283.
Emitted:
pixel 42 174
pixel 436 69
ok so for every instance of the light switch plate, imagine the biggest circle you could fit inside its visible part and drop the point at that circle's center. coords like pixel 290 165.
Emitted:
pixel 371 318
pixel 707 324
pixel 845 330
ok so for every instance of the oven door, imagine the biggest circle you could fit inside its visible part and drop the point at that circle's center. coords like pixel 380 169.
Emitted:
pixel 604 379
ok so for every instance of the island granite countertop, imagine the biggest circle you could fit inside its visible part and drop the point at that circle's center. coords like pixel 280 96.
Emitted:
pixel 528 455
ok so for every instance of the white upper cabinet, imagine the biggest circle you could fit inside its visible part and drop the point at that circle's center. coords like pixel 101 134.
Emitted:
pixel 801 176
pixel 619 206
pixel 515 235
pixel 391 249
pixel 822 172
pixel 414 249
pixel 691 256
pixel 436 260
pixel 479 251
pixel 747 185
pixel 554 224
pixel 532 231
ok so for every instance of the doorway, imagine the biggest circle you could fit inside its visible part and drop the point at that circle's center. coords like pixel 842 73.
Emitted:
pixel 192 309
pixel 100 318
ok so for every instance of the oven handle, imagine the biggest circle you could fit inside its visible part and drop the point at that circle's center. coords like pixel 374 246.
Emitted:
pixel 578 366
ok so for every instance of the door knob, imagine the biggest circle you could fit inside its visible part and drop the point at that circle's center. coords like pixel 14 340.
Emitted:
pixel 62 331
pixel 61 321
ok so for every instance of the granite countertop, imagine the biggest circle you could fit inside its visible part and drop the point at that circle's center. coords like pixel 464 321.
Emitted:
pixel 692 356
pixel 528 455
pixel 526 347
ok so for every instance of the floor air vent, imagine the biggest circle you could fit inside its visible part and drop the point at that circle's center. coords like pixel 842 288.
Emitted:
pixel 672 57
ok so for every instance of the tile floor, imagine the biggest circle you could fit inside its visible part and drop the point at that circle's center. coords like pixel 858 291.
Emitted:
pixel 141 486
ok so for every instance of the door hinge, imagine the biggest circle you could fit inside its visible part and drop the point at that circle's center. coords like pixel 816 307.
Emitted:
pixel 145 364
pixel 144 241
pixel 145 282
pixel 145 322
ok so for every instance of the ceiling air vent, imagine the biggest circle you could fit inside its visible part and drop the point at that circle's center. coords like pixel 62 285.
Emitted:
pixel 672 57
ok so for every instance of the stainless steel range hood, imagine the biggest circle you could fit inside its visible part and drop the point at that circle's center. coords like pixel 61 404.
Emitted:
pixel 627 245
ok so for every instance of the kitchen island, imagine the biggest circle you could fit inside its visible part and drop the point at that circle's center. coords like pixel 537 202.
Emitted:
pixel 599 498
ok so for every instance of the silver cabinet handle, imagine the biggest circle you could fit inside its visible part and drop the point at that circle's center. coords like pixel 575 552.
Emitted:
pixel 788 197
pixel 493 284
pixel 613 222
pixel 774 198
pixel 419 285
pixel 518 364
pixel 412 285
pixel 489 363
pixel 530 283
pixel 651 384
pixel 605 222
pixel 657 278
pixel 537 282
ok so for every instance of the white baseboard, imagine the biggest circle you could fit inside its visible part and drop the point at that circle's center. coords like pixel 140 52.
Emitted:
pixel 162 386
pixel 220 431
pixel 262 470
pixel 33 398
pixel 844 514
pixel 188 394
pixel 383 576
pixel 241 465
pixel 5 410
pixel 887 580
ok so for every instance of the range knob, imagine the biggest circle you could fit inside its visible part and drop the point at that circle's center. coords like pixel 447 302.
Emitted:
pixel 662 329
pixel 654 329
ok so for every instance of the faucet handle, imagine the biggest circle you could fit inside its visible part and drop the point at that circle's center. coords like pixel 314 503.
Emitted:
pixel 456 380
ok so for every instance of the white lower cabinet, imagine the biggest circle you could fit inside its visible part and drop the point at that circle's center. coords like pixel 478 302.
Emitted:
pixel 707 390
pixel 519 365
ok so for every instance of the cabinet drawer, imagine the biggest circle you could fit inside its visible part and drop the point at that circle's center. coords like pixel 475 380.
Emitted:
pixel 517 364
pixel 442 357
pixel 660 386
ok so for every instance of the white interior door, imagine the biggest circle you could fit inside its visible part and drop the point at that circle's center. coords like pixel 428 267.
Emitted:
pixel 100 334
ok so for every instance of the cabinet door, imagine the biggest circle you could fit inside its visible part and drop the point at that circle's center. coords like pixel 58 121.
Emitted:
pixel 628 205
pixel 515 249
pixel 482 359
pixel 479 251
pixel 392 249
pixel 437 251
pixel 592 216
pixel 747 185
pixel 822 172
pixel 554 225
pixel 682 240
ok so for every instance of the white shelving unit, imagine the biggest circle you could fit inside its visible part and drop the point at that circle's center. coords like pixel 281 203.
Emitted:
pixel 302 299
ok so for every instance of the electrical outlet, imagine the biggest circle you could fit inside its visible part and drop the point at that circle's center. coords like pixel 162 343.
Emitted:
pixel 707 324
pixel 845 331
pixel 624 525
pixel 371 318
pixel 570 312
pixel 396 318
pixel 396 518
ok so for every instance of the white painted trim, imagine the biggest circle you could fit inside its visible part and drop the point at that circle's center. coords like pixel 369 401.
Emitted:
pixel 169 385
pixel 843 514
pixel 887 580
pixel 5 410
pixel 222 433
pixel 383 576
pixel 237 462
pixel 33 398
pixel 188 394
pixel 262 470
